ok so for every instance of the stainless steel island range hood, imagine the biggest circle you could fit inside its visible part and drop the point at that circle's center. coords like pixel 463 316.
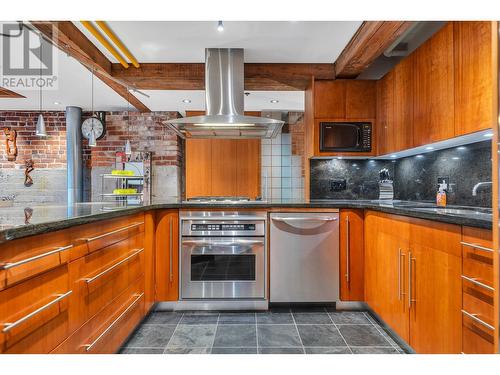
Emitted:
pixel 224 97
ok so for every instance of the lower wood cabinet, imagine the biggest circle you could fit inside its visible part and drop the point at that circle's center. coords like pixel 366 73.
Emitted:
pixel 167 255
pixel 413 282
pixel 352 255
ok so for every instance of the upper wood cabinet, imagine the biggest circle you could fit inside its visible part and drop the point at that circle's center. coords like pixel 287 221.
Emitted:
pixel 344 99
pixel 433 118
pixel 385 114
pixel 402 130
pixel 474 79
pixel 223 167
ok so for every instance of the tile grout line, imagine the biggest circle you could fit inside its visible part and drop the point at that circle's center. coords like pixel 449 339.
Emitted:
pixel 173 333
pixel 382 333
pixel 298 333
pixel 340 333
pixel 215 333
pixel 256 333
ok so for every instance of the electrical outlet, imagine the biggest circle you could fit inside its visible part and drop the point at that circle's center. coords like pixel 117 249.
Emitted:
pixel 338 185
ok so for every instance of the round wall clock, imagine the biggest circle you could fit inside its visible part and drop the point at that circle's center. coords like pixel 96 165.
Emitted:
pixel 95 124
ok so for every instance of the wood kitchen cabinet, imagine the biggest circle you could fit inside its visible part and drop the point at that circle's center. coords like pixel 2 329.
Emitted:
pixel 413 280
pixel 386 253
pixel 474 47
pixel 433 118
pixel 352 280
pixel 434 263
pixel 223 167
pixel 385 114
pixel 167 255
pixel 402 116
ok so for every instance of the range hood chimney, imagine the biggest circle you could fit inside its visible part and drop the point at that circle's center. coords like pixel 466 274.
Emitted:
pixel 224 98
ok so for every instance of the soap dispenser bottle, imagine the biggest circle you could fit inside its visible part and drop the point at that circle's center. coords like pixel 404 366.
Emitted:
pixel 441 194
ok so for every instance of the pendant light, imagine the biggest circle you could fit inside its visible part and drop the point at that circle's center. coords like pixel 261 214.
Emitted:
pixel 40 129
pixel 92 138
pixel 128 147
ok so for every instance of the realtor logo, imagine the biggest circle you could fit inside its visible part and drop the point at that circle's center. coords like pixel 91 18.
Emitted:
pixel 28 60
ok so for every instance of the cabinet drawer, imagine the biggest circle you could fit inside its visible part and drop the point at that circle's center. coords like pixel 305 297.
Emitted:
pixel 477 263
pixel 101 276
pixel 107 330
pixel 478 299
pixel 476 338
pixel 34 315
pixel 24 258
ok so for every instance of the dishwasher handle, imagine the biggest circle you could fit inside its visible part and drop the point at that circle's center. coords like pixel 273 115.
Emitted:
pixel 305 219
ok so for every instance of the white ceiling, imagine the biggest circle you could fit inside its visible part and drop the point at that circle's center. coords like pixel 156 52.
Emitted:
pixel 299 42
pixel 172 100
pixel 270 42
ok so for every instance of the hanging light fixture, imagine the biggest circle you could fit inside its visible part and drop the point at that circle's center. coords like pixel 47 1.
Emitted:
pixel 40 129
pixel 220 26
pixel 128 147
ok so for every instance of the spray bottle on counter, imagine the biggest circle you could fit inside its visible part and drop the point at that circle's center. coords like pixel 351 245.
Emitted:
pixel 441 194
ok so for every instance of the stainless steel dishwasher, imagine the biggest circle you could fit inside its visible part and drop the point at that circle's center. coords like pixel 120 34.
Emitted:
pixel 304 257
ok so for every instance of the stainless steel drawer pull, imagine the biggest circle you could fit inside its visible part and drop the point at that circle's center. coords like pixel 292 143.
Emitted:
pixel 117 264
pixel 475 246
pixel 113 232
pixel 305 219
pixel 478 283
pixel 7 266
pixel 88 347
pixel 477 320
pixel 9 326
pixel 232 242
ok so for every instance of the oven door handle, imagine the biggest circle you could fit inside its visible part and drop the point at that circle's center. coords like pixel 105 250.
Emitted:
pixel 233 242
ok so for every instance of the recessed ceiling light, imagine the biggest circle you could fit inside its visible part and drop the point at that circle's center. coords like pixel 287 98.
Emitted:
pixel 274 101
pixel 488 135
pixel 220 26
pixel 187 101
pixel 429 148
pixel 57 103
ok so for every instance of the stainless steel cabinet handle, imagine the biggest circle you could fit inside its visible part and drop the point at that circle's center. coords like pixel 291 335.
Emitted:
pixel 477 320
pixel 117 264
pixel 9 326
pixel 88 347
pixel 409 280
pixel 7 266
pixel 305 219
pixel 475 246
pixel 171 252
pixel 478 283
pixel 399 274
pixel 113 232
pixel 348 250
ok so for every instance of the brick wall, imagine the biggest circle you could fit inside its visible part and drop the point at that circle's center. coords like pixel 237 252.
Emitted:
pixel 48 152
pixel 146 133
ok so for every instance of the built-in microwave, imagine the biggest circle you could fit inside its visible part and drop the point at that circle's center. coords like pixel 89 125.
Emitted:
pixel 345 137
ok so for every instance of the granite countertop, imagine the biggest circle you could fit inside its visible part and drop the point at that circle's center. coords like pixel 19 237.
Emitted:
pixel 47 218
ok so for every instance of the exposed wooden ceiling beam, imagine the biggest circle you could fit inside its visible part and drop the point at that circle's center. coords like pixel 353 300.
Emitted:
pixel 6 93
pixel 191 76
pixel 68 38
pixel 369 42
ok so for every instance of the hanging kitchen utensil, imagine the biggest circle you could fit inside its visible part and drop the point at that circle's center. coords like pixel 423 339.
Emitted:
pixel 10 143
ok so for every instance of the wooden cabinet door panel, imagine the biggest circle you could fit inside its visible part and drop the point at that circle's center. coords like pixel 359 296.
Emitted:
pixel 329 99
pixel 352 255
pixel 474 64
pixel 360 99
pixel 198 167
pixel 385 114
pixel 224 167
pixel 436 288
pixel 402 127
pixel 386 242
pixel 167 256
pixel 434 89
pixel 248 168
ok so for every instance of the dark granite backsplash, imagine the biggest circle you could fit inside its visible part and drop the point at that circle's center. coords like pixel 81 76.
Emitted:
pixel 415 177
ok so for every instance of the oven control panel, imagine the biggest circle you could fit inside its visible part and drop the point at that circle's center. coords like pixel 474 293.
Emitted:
pixel 222 227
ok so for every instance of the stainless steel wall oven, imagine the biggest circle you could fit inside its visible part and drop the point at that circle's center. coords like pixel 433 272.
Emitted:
pixel 223 255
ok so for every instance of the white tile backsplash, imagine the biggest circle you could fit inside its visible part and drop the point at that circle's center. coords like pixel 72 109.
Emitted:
pixel 286 150
pixel 286 193
pixel 276 140
pixel 265 161
pixel 286 161
pixel 276 150
pixel 286 172
pixel 266 150
pixel 296 161
pixel 286 182
pixel 276 172
pixel 286 139
pixel 276 161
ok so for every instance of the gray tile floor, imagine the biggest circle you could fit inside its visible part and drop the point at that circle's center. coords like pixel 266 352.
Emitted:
pixel 278 331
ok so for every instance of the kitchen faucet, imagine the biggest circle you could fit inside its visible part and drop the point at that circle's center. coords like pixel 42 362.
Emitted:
pixel 478 185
